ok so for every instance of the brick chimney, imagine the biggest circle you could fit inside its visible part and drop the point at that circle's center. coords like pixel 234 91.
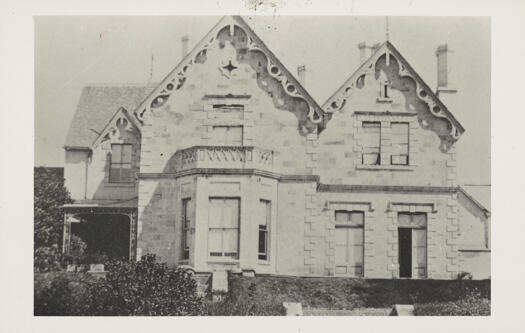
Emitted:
pixel 444 71
pixel 301 74
pixel 366 51
pixel 184 40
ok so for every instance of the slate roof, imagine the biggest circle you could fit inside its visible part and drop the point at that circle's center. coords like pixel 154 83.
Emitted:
pixel 95 108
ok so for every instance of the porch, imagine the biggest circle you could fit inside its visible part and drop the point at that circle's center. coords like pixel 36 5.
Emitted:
pixel 108 230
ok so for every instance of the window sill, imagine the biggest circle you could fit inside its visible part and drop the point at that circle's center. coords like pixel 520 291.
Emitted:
pixel 113 184
pixel 474 250
pixel 385 167
pixel 223 262
pixel 264 262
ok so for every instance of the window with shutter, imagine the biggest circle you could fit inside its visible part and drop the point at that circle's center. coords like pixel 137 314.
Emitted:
pixel 349 243
pixel 371 142
pixel 223 234
pixel 412 244
pixel 400 146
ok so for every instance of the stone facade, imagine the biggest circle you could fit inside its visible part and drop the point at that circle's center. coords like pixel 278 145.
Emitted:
pixel 231 126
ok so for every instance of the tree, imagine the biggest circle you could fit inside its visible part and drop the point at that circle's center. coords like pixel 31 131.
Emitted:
pixel 50 194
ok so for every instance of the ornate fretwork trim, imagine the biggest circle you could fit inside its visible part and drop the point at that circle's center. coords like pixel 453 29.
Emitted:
pixel 341 97
pixel 176 79
pixel 121 121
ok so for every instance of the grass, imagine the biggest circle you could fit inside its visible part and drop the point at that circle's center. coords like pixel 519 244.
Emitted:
pixel 265 295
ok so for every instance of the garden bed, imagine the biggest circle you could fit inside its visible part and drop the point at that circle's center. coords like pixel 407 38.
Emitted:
pixel 264 295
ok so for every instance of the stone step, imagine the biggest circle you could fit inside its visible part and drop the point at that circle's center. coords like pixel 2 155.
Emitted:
pixel 203 283
pixel 353 312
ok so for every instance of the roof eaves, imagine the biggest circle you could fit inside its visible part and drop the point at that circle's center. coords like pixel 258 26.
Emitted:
pixel 474 201
pixel 427 88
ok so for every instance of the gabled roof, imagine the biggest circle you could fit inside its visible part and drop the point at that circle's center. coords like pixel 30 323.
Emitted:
pixel 97 105
pixel 424 92
pixel 113 123
pixel 176 78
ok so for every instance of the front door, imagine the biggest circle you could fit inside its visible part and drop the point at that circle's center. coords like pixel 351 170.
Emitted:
pixel 405 252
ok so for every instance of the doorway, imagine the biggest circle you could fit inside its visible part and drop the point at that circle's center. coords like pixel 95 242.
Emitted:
pixel 405 252
pixel 106 236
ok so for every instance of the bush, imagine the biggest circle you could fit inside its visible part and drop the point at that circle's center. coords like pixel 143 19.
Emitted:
pixel 474 304
pixel 48 259
pixel 49 194
pixel 61 294
pixel 143 288
pixel 241 300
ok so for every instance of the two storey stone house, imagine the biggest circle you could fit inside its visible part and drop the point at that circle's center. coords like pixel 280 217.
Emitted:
pixel 229 163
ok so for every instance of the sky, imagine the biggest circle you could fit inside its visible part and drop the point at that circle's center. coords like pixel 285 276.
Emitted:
pixel 75 51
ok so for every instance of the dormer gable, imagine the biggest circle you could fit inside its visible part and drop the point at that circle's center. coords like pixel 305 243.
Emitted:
pixel 116 128
pixel 393 73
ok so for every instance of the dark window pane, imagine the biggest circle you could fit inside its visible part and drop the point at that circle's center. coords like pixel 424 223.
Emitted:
pixel 262 239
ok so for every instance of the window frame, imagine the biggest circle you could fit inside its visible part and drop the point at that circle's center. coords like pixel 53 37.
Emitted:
pixel 238 228
pixel 407 162
pixel 112 163
pixel 185 228
pixel 265 229
pixel 354 226
pixel 421 272
pixel 378 160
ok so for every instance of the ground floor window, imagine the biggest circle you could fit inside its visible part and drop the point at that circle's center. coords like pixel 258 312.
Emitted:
pixel 349 241
pixel 223 234
pixel 186 228
pixel 264 225
pixel 412 238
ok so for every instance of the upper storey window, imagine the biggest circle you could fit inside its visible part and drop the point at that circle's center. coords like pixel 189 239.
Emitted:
pixel 228 107
pixel 120 164
pixel 371 143
pixel 227 135
pixel 399 140
pixel 395 147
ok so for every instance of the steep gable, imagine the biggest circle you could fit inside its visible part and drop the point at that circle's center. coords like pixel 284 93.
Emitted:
pixel 250 50
pixel 121 121
pixel 97 105
pixel 436 110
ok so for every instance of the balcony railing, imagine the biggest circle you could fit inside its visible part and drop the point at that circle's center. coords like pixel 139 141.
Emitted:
pixel 224 157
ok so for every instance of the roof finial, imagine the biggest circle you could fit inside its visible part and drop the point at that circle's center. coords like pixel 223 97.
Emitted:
pixel 151 70
pixel 387 34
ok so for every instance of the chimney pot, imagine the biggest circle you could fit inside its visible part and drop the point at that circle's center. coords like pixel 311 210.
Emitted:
pixel 443 70
pixel 366 51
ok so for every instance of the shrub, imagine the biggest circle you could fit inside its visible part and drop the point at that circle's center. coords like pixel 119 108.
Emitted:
pixel 474 304
pixel 47 259
pixel 61 294
pixel 49 194
pixel 144 288
pixel 242 300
